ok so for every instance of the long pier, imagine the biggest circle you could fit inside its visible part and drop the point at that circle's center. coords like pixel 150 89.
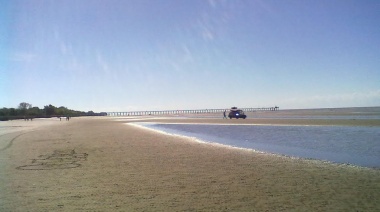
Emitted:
pixel 174 112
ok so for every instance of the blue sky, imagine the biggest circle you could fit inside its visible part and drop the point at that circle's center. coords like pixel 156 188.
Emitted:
pixel 125 55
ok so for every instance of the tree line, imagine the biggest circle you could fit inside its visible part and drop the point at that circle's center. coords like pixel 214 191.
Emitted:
pixel 26 110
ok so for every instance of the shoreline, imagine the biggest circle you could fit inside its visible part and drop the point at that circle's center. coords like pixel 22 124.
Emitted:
pixel 256 121
pixel 117 167
pixel 214 142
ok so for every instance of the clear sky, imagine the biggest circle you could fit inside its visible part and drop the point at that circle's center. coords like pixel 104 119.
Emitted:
pixel 124 55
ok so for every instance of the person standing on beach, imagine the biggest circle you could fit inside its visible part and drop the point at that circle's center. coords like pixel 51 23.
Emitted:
pixel 224 115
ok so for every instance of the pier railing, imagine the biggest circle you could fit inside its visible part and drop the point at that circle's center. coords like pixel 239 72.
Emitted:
pixel 174 112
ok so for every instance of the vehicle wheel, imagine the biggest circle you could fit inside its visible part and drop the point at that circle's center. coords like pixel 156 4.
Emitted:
pixel 244 118
pixel 237 117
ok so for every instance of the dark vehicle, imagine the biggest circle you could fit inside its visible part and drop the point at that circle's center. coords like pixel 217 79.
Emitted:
pixel 236 113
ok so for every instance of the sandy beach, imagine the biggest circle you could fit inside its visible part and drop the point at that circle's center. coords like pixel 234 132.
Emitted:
pixel 104 164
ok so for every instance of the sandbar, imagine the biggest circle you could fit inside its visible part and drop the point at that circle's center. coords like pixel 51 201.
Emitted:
pixel 99 164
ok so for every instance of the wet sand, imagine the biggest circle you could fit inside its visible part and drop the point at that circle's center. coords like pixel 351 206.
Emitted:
pixel 99 164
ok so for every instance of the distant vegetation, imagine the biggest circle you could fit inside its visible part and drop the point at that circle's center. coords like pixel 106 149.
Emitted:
pixel 25 110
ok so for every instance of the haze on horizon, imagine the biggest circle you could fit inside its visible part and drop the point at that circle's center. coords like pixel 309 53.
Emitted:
pixel 167 54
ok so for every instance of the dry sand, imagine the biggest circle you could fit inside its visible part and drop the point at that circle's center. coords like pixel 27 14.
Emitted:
pixel 99 164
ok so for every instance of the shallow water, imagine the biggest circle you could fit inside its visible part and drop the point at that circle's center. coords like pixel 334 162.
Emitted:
pixel 340 144
pixel 347 117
